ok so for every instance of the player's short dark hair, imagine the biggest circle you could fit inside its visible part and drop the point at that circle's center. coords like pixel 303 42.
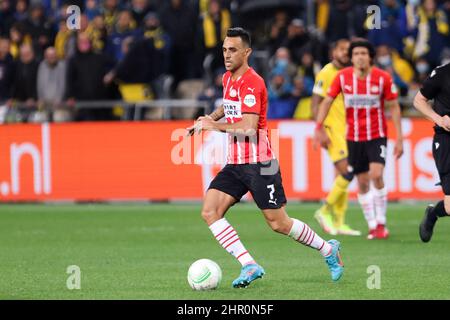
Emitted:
pixel 241 33
pixel 362 43
pixel 336 43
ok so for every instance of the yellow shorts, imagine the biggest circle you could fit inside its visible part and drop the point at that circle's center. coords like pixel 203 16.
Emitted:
pixel 337 150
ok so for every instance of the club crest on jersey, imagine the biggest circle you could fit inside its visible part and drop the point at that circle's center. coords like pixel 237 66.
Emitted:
pixel 233 93
pixel 250 100
pixel 374 89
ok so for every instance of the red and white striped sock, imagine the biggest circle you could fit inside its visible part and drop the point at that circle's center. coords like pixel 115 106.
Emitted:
pixel 380 200
pixel 368 208
pixel 302 233
pixel 229 240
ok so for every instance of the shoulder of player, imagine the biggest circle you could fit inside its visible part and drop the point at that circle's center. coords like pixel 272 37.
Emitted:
pixel 441 70
pixel 325 71
pixel 380 72
pixel 252 78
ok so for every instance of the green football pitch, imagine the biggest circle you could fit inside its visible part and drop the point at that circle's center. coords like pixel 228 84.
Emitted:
pixel 144 251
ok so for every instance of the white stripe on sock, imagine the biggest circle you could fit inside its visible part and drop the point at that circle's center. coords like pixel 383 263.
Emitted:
pixel 229 240
pixel 380 201
pixel 368 208
pixel 302 233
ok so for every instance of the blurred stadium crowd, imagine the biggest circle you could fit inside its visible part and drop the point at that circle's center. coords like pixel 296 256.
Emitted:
pixel 132 50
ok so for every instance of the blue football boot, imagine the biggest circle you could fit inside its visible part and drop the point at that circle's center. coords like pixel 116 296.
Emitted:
pixel 334 261
pixel 249 273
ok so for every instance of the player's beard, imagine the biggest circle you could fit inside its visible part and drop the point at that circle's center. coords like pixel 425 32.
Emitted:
pixel 345 63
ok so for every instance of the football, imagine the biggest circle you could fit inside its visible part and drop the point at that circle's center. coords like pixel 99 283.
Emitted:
pixel 204 274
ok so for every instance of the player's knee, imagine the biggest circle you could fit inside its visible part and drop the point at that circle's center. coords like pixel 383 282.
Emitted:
pixel 278 226
pixel 210 215
pixel 363 187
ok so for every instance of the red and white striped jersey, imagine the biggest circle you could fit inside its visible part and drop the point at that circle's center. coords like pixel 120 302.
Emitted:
pixel 364 102
pixel 246 94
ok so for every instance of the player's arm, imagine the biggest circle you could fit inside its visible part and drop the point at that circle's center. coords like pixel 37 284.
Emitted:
pixel 247 125
pixel 320 136
pixel 421 104
pixel 217 114
pixel 316 100
pixel 319 93
pixel 430 89
pixel 396 119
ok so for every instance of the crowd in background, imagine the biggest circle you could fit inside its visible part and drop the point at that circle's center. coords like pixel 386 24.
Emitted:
pixel 172 49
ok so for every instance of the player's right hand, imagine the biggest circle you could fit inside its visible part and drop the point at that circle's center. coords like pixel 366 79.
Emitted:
pixel 445 123
pixel 321 137
pixel 196 127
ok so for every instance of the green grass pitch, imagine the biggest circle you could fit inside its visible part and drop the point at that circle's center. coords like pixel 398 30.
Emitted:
pixel 144 252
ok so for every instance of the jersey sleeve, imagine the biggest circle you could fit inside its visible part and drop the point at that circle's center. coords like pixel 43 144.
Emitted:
pixel 250 95
pixel 432 85
pixel 389 88
pixel 335 87
pixel 321 85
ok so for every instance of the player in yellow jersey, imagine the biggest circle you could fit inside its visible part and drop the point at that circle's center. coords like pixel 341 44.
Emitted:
pixel 331 216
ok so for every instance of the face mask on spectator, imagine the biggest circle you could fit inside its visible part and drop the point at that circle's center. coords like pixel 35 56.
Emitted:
pixel 422 67
pixel 384 61
pixel 413 2
pixel 282 63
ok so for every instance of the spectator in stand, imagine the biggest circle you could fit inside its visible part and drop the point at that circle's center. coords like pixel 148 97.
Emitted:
pixel 21 13
pixel 92 9
pixel 282 61
pixel 214 93
pixel 7 70
pixel 39 29
pixel 6 17
pixel 278 31
pixel 124 27
pixel 432 31
pixel 401 71
pixel 422 70
pixel 281 103
pixel 139 9
pixel 179 21
pixel 308 69
pixel 302 99
pixel 153 30
pixel 393 26
pixel 51 85
pixel 65 41
pixel 24 83
pixel 336 21
pixel 85 75
pixel 18 37
pixel 110 12
pixel 298 39
pixel 97 33
pixel 212 30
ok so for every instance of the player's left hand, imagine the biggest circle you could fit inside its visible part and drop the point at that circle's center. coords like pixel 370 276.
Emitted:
pixel 398 148
pixel 206 123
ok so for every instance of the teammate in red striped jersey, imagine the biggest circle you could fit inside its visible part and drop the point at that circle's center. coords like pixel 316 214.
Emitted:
pixel 252 166
pixel 367 90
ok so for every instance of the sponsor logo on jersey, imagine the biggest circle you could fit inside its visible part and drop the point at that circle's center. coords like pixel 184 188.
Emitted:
pixel 250 100
pixel 362 101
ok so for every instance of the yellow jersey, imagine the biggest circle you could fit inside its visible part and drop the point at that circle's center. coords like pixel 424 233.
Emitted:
pixel 336 116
